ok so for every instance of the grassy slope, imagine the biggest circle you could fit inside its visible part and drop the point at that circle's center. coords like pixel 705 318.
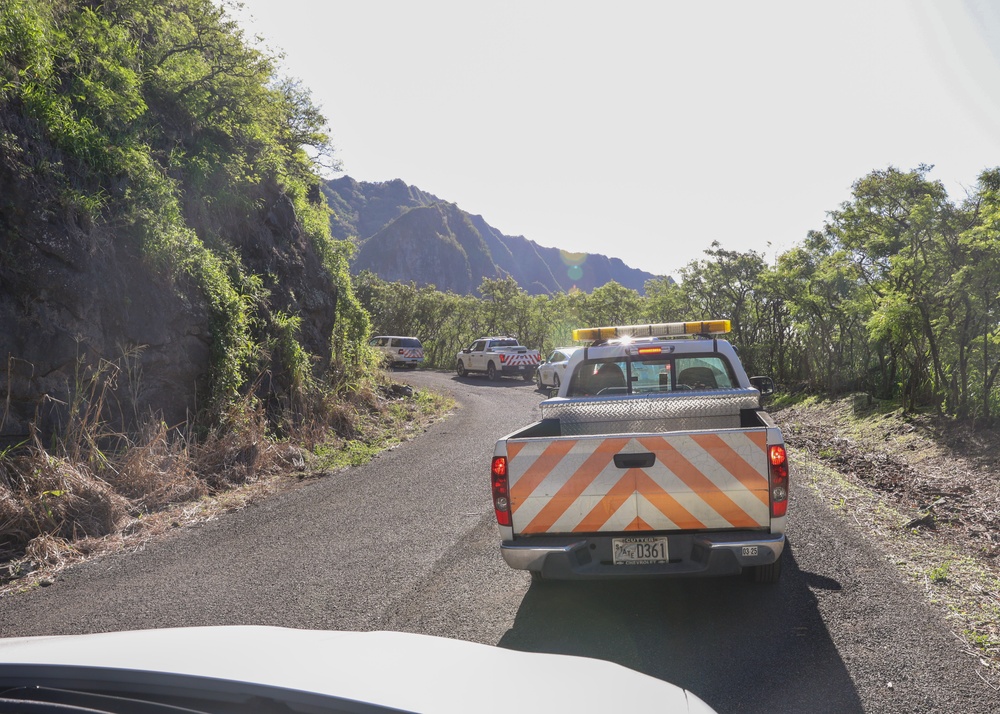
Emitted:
pixel 926 489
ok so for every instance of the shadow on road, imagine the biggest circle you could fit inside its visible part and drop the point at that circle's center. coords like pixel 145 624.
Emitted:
pixel 740 646
pixel 484 381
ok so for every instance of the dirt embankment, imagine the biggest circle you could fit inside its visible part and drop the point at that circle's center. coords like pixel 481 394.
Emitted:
pixel 926 487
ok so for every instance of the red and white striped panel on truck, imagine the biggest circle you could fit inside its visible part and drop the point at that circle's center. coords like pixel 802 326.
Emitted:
pixel 411 352
pixel 692 481
pixel 516 359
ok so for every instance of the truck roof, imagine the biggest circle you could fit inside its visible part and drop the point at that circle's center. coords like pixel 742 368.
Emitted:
pixel 659 329
pixel 627 346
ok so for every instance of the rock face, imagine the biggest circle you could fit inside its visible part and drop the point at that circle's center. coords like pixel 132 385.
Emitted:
pixel 73 302
pixel 79 300
pixel 406 234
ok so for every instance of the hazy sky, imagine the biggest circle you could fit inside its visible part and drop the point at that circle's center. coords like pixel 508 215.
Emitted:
pixel 646 130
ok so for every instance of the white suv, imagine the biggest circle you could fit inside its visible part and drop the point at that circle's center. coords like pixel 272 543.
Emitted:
pixel 399 351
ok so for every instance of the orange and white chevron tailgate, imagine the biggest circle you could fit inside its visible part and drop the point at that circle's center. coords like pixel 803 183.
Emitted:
pixel 698 481
pixel 517 359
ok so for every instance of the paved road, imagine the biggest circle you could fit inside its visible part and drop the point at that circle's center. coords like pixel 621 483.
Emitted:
pixel 408 542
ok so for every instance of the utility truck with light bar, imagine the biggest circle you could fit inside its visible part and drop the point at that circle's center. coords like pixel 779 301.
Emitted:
pixel 655 459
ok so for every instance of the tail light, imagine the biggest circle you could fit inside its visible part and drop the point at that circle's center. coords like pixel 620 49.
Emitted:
pixel 778 460
pixel 501 492
pixel 503 358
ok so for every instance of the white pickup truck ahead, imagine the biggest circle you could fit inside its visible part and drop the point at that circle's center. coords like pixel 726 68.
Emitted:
pixel 498 357
pixel 655 459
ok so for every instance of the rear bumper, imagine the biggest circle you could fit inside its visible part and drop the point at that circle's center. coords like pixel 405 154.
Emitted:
pixel 407 360
pixel 695 554
pixel 518 369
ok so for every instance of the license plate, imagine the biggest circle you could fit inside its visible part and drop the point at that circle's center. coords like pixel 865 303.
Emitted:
pixel 639 551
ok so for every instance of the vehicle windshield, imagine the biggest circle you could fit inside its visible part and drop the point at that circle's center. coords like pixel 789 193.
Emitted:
pixel 643 376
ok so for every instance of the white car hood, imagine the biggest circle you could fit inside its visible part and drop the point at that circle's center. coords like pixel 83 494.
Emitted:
pixel 418 673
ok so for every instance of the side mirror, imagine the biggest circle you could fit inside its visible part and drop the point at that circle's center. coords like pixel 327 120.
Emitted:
pixel 765 385
pixel 466 351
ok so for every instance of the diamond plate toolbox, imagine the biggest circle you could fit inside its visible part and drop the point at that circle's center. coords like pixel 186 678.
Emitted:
pixel 651 414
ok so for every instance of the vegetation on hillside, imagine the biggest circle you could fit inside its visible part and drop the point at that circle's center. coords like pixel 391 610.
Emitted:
pixel 897 296
pixel 154 131
pixel 160 122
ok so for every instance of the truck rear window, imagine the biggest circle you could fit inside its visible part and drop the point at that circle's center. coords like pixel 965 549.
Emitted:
pixel 645 376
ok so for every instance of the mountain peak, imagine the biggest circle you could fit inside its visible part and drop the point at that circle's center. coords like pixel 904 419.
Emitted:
pixel 454 250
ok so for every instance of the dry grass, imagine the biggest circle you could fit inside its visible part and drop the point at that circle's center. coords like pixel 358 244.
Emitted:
pixel 76 501
pixel 43 494
pixel 928 491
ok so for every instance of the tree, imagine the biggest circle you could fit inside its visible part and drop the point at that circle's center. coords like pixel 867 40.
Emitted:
pixel 818 284
pixel 611 304
pixel 895 228
pixel 665 302
pixel 977 282
pixel 728 285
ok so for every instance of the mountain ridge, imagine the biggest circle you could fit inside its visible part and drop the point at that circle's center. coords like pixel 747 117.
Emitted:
pixel 444 246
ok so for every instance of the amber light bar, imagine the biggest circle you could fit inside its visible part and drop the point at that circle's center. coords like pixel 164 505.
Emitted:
pixel 663 329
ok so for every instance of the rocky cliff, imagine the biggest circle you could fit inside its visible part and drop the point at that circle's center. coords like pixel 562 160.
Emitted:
pixel 163 240
pixel 79 298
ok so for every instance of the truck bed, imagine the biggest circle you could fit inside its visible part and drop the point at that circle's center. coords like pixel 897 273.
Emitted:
pixel 655 412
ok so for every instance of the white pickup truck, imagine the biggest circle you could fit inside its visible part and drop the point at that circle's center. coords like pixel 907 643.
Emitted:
pixel 655 459
pixel 497 357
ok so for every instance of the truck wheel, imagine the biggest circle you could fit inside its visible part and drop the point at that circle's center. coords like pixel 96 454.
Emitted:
pixel 536 577
pixel 460 368
pixel 767 573
pixel 491 372
pixel 527 376
pixel 538 380
pixel 555 381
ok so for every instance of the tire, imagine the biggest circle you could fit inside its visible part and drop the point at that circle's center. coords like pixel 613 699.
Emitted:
pixel 555 381
pixel 536 577
pixel 767 573
pixel 461 369
pixel 527 376
pixel 538 379
pixel 491 372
